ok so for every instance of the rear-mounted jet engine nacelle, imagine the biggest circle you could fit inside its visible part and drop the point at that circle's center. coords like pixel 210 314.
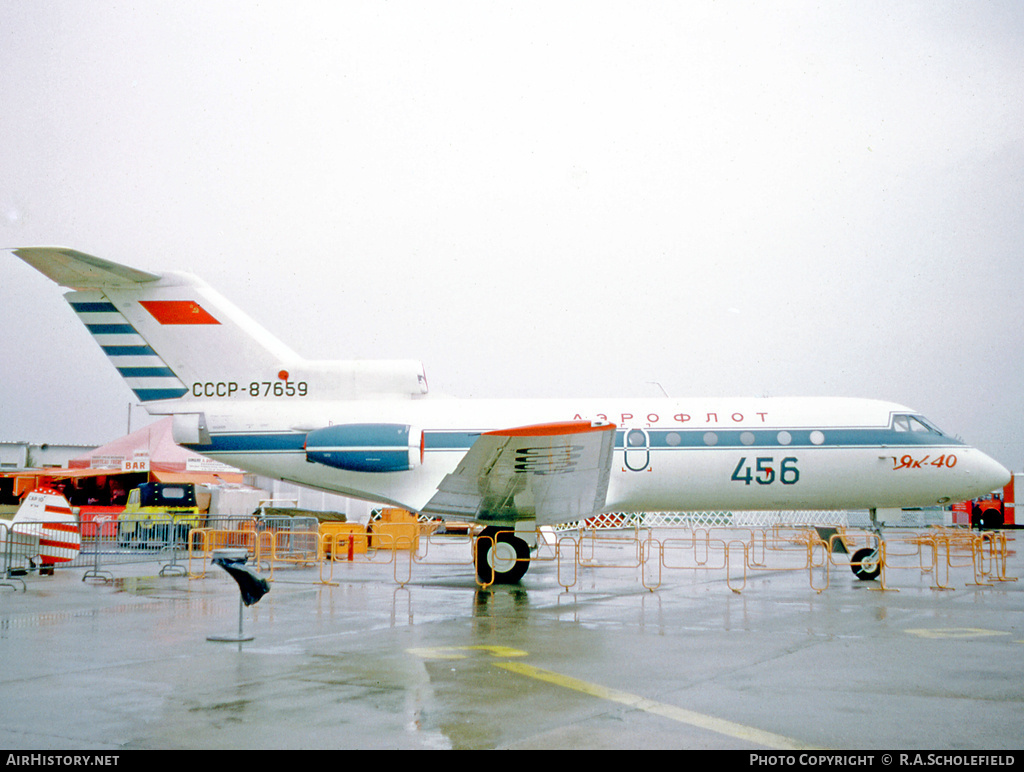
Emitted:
pixel 366 447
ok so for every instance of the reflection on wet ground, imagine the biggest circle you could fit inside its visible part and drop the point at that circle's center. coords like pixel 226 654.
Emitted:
pixel 440 663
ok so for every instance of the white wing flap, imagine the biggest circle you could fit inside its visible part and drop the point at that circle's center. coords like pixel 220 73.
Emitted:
pixel 551 473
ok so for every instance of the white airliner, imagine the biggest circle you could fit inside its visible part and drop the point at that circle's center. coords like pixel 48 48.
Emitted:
pixel 369 430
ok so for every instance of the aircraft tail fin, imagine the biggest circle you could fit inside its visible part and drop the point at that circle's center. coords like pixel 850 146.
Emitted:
pixel 172 337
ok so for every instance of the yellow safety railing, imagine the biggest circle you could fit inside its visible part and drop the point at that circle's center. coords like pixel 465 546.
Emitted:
pixel 567 546
pixel 939 552
pixel 203 541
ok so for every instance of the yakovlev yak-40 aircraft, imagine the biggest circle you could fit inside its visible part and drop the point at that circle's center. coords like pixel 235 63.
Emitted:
pixel 369 430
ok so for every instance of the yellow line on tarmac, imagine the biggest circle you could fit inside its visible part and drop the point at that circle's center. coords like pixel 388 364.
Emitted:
pixel 681 715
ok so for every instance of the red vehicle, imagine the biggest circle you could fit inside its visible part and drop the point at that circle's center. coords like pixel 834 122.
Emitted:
pixel 997 510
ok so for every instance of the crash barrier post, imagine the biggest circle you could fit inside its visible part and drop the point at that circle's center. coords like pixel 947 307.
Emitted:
pixel 814 545
pixel 590 538
pixel 492 541
pixel 942 559
pixel 941 549
pixel 328 546
pixel 998 551
pixel 298 548
pixel 987 556
pixel 7 550
pixel 267 539
pixel 395 541
pixel 340 542
pixel 706 542
pixel 937 551
pixel 650 548
pixel 161 537
pixel 342 545
pixel 928 549
pixel 883 568
pixel 758 552
pixel 440 550
pixel 178 528
pixel 957 547
pixel 92 534
pixel 927 553
pixel 567 550
pixel 836 541
pixel 356 543
pixel 731 547
pixel 222 532
pixel 202 542
pixel 198 548
pixel 699 547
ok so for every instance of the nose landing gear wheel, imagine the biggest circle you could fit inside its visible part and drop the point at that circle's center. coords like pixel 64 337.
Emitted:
pixel 501 556
pixel 865 564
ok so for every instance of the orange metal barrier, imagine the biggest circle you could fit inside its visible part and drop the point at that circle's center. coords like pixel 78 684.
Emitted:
pixel 431 545
pixel 937 552
pixel 567 546
pixel 203 541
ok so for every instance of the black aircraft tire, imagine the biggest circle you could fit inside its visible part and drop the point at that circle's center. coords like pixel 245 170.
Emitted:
pixel 865 564
pixel 992 519
pixel 506 544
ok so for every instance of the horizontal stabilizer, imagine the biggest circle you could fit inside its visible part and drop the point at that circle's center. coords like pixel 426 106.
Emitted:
pixel 77 270
pixel 174 340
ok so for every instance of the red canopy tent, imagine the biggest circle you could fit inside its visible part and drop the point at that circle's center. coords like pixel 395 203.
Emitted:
pixel 104 476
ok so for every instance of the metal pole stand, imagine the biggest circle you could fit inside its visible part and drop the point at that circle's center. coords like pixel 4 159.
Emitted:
pixel 251 588
pixel 236 637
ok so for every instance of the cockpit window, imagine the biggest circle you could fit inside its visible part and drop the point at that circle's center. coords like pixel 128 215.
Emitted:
pixel 913 423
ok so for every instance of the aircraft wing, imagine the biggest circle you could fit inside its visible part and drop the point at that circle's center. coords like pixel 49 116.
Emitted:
pixel 551 473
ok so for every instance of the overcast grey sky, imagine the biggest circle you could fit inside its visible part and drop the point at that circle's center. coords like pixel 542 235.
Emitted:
pixel 535 198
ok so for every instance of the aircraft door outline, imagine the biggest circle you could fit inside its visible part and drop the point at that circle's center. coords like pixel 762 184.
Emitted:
pixel 636 450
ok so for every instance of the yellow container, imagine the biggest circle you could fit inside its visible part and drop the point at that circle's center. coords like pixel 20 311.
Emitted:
pixel 396 536
pixel 340 534
pixel 395 515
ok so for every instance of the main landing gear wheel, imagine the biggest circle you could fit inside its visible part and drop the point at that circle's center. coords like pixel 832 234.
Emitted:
pixel 865 564
pixel 501 556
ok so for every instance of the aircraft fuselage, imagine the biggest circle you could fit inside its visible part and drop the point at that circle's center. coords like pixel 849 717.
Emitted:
pixel 670 455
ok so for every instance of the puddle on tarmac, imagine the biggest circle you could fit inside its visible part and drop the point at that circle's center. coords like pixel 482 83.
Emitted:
pixel 149 586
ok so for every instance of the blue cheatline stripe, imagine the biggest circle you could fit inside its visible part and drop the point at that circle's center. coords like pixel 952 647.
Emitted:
pixel 688 439
pixel 128 351
pixel 148 395
pixel 111 329
pixel 449 440
pixel 248 443
pixel 95 308
pixel 146 372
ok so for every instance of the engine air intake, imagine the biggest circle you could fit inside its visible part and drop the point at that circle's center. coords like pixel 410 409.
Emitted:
pixel 366 447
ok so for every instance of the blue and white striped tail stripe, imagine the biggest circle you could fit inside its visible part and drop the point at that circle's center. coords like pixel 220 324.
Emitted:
pixel 141 367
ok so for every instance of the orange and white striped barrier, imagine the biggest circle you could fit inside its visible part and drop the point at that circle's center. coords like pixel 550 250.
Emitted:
pixel 46 528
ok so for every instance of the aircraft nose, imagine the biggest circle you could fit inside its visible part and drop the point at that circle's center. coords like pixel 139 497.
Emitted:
pixel 990 474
